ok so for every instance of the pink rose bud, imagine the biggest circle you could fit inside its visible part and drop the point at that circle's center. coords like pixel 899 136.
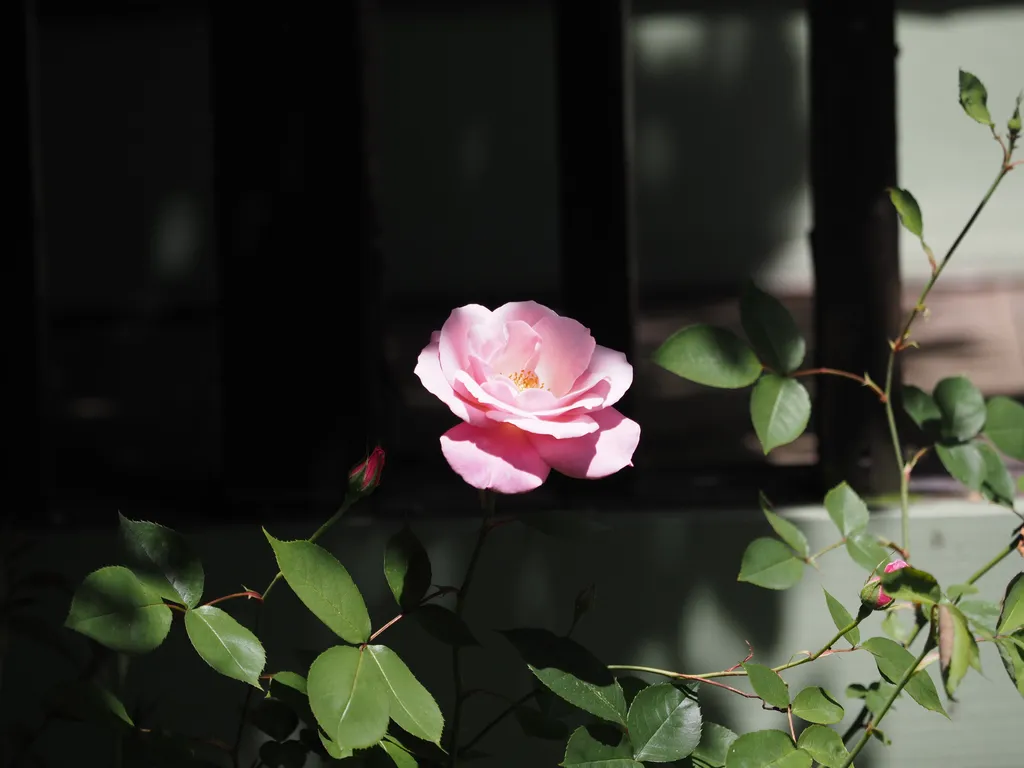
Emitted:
pixel 364 477
pixel 872 595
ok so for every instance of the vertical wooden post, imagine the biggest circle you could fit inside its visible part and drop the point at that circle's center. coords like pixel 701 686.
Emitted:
pixel 299 277
pixel 22 322
pixel 595 150
pixel 855 238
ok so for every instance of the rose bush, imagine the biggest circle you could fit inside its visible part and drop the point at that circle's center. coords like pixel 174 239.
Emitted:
pixel 534 391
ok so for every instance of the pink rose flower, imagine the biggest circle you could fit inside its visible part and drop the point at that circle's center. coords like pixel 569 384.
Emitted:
pixel 873 595
pixel 534 392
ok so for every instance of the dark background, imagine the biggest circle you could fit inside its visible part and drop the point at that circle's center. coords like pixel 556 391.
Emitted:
pixel 233 231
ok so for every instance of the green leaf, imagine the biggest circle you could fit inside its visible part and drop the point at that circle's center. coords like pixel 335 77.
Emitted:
pixel 874 695
pixel 893 660
pixel 324 587
pixel 965 463
pixel 957 647
pixel 349 697
pixel 847 510
pixel 540 726
pixel 570 671
pixel 768 685
pixel 1011 617
pixel 766 749
pixel 290 754
pixel 163 561
pixel 88 702
pixel 1004 426
pixel 997 487
pixel 225 645
pixel 895 629
pixel 779 410
pixel 412 707
pixel 274 718
pixel 443 624
pixel 771 330
pixel 116 610
pixel 961 408
pixel 974 98
pixel 984 613
pixel 664 723
pixel 842 618
pixel 710 356
pixel 788 532
pixel 1012 655
pixel 407 568
pixel 921 408
pixel 770 564
pixel 908 209
pixel 599 747
pixel 865 551
pixel 816 705
pixel 912 584
pixel 956 591
pixel 824 745
pixel 332 749
pixel 713 748
pixel 399 755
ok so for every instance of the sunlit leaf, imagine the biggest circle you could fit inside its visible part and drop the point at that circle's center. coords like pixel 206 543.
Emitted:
pixel 599 747
pixel 1004 426
pixel 842 618
pixel 1011 617
pixel 412 706
pixel 115 609
pixel 908 209
pixel 780 409
pixel 767 749
pixel 961 408
pixel 893 660
pixel 786 531
pixel 225 645
pixel 664 723
pixel 824 745
pixel 816 705
pixel 770 564
pixel 768 685
pixel 974 98
pixel 847 510
pixel 912 584
pixel 349 697
pixel 324 587
pixel 710 356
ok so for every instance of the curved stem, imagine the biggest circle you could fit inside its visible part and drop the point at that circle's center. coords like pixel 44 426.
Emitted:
pixel 901 343
pixel 249 593
pixel 863 381
pixel 829 548
pixel 900 685
pixel 487 499
pixel 1010 548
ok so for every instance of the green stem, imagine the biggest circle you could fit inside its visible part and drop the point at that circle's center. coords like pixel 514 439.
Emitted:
pixel 247 703
pixel 900 685
pixel 900 343
pixel 829 548
pixel 1011 547
pixel 487 499
pixel 740 672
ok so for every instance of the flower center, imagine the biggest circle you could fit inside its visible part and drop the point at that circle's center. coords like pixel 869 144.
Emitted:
pixel 524 379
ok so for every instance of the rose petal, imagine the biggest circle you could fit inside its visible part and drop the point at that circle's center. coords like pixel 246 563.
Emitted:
pixel 519 352
pixel 566 347
pixel 529 312
pixel 428 368
pixel 577 425
pixel 598 454
pixel 606 365
pixel 501 458
pixel 453 346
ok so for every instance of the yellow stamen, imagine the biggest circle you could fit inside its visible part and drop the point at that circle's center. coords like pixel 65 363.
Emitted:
pixel 524 379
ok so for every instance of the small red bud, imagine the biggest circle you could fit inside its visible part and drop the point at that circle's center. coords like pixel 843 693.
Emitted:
pixel 364 477
pixel 872 595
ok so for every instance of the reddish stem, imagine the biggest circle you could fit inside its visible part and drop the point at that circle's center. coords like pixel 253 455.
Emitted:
pixel 844 374
pixel 399 617
pixel 249 593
